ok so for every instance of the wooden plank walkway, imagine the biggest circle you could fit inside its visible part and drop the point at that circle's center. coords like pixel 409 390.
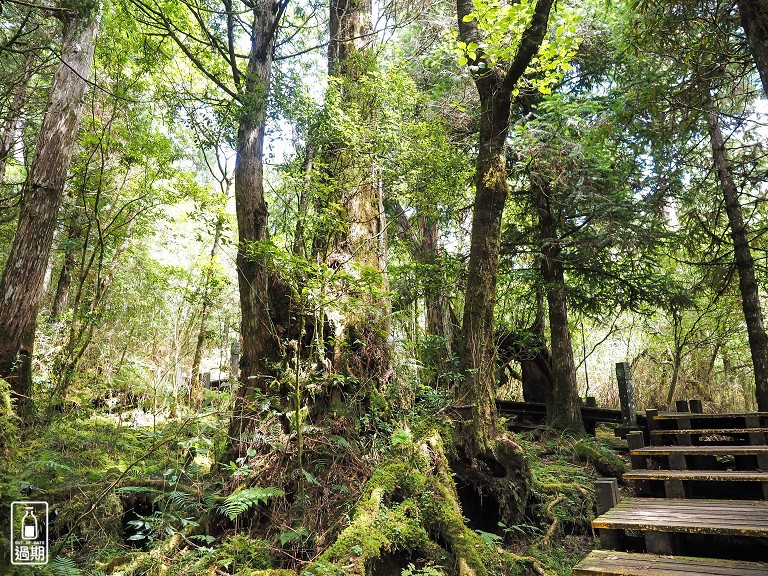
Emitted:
pixel 699 475
pixel 732 517
pixel 667 524
pixel 701 450
pixel 611 563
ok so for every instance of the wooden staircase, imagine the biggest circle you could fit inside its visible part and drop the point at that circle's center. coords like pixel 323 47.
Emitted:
pixel 702 505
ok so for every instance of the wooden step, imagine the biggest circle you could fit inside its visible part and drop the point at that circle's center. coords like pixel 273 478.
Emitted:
pixel 611 563
pixel 736 517
pixel 660 519
pixel 699 475
pixel 684 436
pixel 694 483
pixel 708 431
pixel 714 416
pixel 701 450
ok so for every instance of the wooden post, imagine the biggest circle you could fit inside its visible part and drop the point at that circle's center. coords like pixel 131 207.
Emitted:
pixel 675 489
pixel 606 494
pixel 635 441
pixel 681 405
pixel 626 393
pixel 696 406
pixel 650 416
pixel 591 402
pixel 234 362
pixel 207 379
pixel 662 543
pixel 606 497
pixel 755 438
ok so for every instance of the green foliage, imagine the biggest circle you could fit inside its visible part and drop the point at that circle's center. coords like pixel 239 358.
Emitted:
pixel 8 422
pixel 502 25
pixel 426 570
pixel 63 566
pixel 239 554
pixel 240 501
pixel 83 8
pixel 605 460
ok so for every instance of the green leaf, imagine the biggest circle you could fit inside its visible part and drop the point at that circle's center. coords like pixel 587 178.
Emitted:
pixel 292 535
pixel 240 501
pixel 402 437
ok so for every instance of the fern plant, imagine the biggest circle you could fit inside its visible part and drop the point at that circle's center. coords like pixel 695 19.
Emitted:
pixel 240 501
pixel 63 566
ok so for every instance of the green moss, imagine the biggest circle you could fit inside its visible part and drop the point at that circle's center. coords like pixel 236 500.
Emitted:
pixel 605 461
pixel 9 431
pixel 560 488
pixel 407 508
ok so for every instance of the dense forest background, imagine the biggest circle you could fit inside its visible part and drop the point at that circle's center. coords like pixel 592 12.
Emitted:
pixel 267 265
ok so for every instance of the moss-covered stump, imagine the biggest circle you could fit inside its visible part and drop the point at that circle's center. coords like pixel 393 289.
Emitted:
pixel 409 516
pixel 498 472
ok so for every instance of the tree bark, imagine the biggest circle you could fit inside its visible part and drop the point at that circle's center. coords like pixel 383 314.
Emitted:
pixel 351 34
pixel 20 288
pixel 745 265
pixel 441 318
pixel 61 298
pixel 361 249
pixel 495 88
pixel 477 390
pixel 754 20
pixel 537 370
pixel 261 342
pixel 565 415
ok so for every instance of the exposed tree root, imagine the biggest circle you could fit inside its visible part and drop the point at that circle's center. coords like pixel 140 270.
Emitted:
pixel 410 507
pixel 498 469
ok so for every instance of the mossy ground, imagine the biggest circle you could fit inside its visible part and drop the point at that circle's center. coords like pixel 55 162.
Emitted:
pixel 405 519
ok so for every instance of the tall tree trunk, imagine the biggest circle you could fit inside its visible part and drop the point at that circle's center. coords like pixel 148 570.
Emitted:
pixel 565 415
pixel 745 265
pixel 351 34
pixel 21 285
pixel 477 390
pixel 536 370
pixel 196 389
pixel 70 245
pixel 754 20
pixel 362 248
pixel 261 341
pixel 489 458
pixel 491 189
pixel 13 116
pixel 441 318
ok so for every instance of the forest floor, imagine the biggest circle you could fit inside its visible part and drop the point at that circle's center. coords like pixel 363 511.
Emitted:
pixel 130 499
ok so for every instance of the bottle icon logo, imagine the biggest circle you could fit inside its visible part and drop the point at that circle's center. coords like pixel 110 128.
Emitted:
pixel 29 533
pixel 29 524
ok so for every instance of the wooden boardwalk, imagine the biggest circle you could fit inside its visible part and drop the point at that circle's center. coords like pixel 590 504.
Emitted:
pixel 702 505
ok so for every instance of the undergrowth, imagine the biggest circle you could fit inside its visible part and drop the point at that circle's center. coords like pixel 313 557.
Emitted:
pixel 154 501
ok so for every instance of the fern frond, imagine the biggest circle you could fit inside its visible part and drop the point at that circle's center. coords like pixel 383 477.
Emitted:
pixel 240 501
pixel 63 566
pixel 52 464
